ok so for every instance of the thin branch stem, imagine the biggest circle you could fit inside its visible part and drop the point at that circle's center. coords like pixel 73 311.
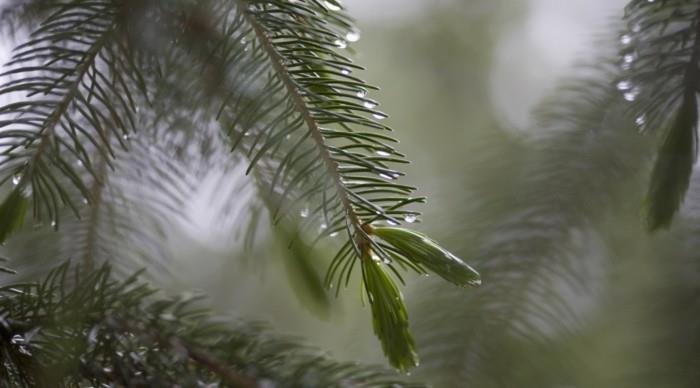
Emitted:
pixel 47 130
pixel 300 105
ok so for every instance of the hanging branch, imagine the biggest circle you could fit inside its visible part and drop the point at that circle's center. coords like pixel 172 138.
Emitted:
pixel 661 54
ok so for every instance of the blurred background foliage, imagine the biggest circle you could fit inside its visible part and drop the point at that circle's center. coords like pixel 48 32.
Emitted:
pixel 534 174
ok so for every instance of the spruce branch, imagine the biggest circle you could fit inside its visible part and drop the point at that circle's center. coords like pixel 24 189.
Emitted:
pixel 279 88
pixel 661 54
pixel 98 330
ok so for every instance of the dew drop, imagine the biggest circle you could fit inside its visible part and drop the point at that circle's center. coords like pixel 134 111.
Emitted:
pixel 85 201
pixel 16 179
pixel 125 137
pixel 304 212
pixel 641 120
pixel 53 223
pixel 624 85
pixel 331 6
pixel 334 234
pixel 379 116
pixel 92 336
pixel 387 176
pixel 626 39
pixel 361 93
pixel 476 282
pixel 383 153
pixel 340 43
pixel 345 71
pixel 410 218
pixel 17 339
pixel 628 58
pixel 352 36
pixel 632 94
pixel 392 223
pixel 323 226
pixel 369 104
pixel 637 27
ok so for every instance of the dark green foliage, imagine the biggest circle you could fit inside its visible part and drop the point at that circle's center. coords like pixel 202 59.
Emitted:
pixel 70 330
pixel 423 251
pixel 12 212
pixel 674 165
pixel 304 277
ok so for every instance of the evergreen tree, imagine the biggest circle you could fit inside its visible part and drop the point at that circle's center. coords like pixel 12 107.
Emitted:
pixel 112 113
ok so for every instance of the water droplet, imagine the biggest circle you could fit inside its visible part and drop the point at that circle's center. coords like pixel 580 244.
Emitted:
pixel 379 116
pixel 626 39
pixel 637 27
pixel 323 226
pixel 392 223
pixel 17 339
pixel 85 201
pixel 369 104
pixel 334 234
pixel 387 176
pixel 641 120
pixel 125 137
pixel 304 212
pixel 352 36
pixel 340 43
pixel 345 71
pixel 361 93
pixel 632 94
pixel 53 224
pixel 476 282
pixel 92 336
pixel 383 153
pixel 331 6
pixel 107 369
pixel 624 85
pixel 628 58
pixel 16 179
pixel 410 218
